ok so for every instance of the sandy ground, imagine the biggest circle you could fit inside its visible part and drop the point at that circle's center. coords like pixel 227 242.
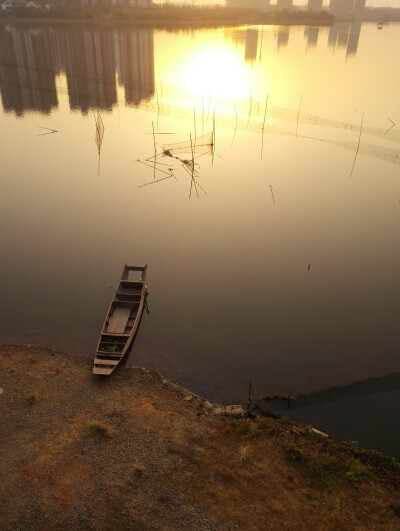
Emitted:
pixel 134 451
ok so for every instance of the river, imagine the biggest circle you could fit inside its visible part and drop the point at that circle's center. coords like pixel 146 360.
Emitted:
pixel 254 169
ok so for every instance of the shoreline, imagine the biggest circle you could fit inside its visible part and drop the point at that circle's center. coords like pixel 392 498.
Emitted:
pixel 158 24
pixel 297 408
pixel 195 17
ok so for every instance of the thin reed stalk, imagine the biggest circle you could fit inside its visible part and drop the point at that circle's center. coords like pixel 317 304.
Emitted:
pixel 155 150
pixel 236 124
pixel 298 114
pixel 272 193
pixel 358 145
pixel 263 127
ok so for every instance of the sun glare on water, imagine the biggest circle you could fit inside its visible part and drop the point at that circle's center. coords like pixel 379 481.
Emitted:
pixel 219 71
pixel 205 66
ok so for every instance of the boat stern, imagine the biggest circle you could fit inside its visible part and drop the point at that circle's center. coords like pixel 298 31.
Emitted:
pixel 104 371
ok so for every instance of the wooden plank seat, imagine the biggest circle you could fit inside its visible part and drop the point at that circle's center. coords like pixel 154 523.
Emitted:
pixel 109 355
pixel 106 362
pixel 102 370
pixel 118 320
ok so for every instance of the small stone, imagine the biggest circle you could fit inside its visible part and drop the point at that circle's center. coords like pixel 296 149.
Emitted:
pixel 208 405
pixel 218 411
pixel 314 430
pixel 188 398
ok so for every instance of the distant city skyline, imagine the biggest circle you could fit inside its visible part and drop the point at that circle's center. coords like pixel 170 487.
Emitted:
pixel 369 3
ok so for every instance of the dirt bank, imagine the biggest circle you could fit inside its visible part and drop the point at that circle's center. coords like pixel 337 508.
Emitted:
pixel 136 452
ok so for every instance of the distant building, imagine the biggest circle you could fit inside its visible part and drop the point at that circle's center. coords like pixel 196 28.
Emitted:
pixel 284 4
pixel 341 6
pixel 314 5
pixel 359 5
pixel 260 5
pixel 11 5
pixel 127 3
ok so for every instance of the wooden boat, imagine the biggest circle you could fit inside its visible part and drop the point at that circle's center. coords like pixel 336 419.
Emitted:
pixel 122 320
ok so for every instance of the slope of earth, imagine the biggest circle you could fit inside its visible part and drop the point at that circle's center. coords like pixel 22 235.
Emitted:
pixel 134 451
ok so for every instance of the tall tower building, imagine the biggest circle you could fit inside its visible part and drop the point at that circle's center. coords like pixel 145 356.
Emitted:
pixel 341 6
pixel 261 5
pixel 284 4
pixel 314 5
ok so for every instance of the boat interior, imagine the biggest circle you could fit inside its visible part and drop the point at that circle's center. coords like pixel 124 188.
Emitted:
pixel 121 318
pixel 129 291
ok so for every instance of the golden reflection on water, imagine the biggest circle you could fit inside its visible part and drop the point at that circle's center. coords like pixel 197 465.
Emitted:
pixel 207 66
pixel 255 79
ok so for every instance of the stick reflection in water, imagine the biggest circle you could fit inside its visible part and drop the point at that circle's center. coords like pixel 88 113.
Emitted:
pixel 196 147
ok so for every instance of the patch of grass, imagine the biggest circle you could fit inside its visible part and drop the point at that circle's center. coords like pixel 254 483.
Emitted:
pixel 320 469
pixel 98 429
pixel 249 428
pixel 239 427
pixel 265 424
pixel 354 473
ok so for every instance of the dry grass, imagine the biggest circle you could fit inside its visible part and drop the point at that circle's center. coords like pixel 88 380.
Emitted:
pixel 244 453
pixel 288 484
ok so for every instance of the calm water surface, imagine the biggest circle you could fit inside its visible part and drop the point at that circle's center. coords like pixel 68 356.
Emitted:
pixel 274 259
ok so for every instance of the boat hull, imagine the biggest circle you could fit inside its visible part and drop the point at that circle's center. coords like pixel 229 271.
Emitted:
pixel 122 321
